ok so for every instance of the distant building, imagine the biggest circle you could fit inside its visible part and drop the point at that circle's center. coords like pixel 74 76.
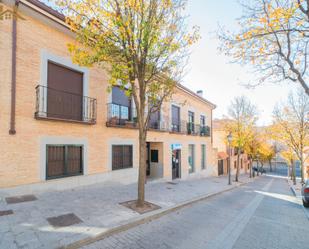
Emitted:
pixel 220 143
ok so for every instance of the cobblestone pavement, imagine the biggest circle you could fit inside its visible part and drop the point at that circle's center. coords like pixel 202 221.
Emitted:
pixel 97 206
pixel 260 215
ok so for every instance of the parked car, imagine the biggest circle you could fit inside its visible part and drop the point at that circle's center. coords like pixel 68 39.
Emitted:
pixel 261 170
pixel 305 194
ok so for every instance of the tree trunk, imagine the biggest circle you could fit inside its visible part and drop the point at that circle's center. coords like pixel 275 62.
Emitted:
pixel 302 168
pixel 257 167
pixel 250 165
pixel 270 166
pixel 142 167
pixel 237 167
pixel 291 171
pixel 294 173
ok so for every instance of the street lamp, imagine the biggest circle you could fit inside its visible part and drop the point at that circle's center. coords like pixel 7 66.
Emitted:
pixel 229 139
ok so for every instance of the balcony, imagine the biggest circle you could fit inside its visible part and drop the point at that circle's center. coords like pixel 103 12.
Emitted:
pixel 121 116
pixel 125 117
pixel 193 129
pixel 204 131
pixel 179 127
pixel 52 104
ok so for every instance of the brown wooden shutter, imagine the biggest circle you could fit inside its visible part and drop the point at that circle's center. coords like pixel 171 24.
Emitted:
pixel 64 160
pixel 65 91
pixel 74 157
pixel 122 156
pixel 55 161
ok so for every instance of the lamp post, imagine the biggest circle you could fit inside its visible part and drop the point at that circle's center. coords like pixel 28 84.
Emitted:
pixel 229 139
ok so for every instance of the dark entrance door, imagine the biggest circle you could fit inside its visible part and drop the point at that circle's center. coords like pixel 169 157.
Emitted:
pixel 176 164
pixel 64 160
pixel 64 92
pixel 220 167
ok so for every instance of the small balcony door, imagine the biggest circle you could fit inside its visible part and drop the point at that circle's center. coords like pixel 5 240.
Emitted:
pixel 64 92
pixel 175 118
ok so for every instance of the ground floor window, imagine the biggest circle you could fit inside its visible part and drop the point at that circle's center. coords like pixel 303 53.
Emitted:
pixel 63 160
pixel 203 153
pixel 235 163
pixel 122 157
pixel 191 158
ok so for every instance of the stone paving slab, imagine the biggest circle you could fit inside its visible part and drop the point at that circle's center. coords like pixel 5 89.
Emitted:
pixel 97 206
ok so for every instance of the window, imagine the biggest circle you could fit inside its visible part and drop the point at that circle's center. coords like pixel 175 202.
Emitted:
pixel 122 157
pixel 202 121
pixel 63 160
pixel 241 163
pixel 191 158
pixel 154 155
pixel 191 117
pixel 121 104
pixel 203 153
pixel 235 164
pixel 175 118
pixel 190 122
pixel 64 92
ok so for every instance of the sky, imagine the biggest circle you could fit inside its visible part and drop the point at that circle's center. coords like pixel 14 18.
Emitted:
pixel 210 71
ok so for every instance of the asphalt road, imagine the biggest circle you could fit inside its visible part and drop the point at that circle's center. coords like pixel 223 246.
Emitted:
pixel 260 215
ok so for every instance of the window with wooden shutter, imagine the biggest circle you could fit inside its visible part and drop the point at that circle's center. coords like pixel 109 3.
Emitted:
pixel 122 157
pixel 63 160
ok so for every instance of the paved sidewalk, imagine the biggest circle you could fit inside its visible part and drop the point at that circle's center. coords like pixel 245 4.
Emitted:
pixel 96 207
pixel 296 189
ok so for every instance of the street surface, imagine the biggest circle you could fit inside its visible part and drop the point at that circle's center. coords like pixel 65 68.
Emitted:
pixel 260 215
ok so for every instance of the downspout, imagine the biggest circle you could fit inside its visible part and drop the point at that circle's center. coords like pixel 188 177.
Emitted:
pixel 211 133
pixel 12 130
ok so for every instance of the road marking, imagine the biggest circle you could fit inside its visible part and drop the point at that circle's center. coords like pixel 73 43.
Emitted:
pixel 229 235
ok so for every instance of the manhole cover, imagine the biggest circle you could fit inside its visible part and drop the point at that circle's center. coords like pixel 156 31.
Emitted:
pixel 64 220
pixel 173 183
pixel 19 199
pixel 6 212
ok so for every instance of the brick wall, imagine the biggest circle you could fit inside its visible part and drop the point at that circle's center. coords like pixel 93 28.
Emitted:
pixel 20 153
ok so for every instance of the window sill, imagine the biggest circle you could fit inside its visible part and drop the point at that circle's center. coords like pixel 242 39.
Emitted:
pixel 90 122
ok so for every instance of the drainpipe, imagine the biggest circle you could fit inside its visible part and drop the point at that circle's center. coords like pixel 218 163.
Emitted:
pixel 211 126
pixel 12 130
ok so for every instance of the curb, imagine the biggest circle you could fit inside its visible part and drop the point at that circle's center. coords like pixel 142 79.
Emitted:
pixel 293 191
pixel 142 220
pixel 306 210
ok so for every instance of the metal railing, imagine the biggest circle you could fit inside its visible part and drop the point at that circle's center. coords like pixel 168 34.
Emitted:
pixel 125 116
pixel 204 131
pixel 119 115
pixel 61 105
pixel 179 127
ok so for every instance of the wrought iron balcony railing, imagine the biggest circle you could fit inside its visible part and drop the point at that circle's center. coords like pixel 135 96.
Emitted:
pixel 52 104
pixel 204 130
pixel 125 116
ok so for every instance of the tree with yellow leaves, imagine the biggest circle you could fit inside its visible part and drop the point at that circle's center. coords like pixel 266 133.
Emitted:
pixel 290 158
pixel 273 39
pixel 266 153
pixel 251 146
pixel 143 44
pixel 242 119
pixel 291 125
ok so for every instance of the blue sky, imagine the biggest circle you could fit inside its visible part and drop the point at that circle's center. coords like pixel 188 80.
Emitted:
pixel 210 71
